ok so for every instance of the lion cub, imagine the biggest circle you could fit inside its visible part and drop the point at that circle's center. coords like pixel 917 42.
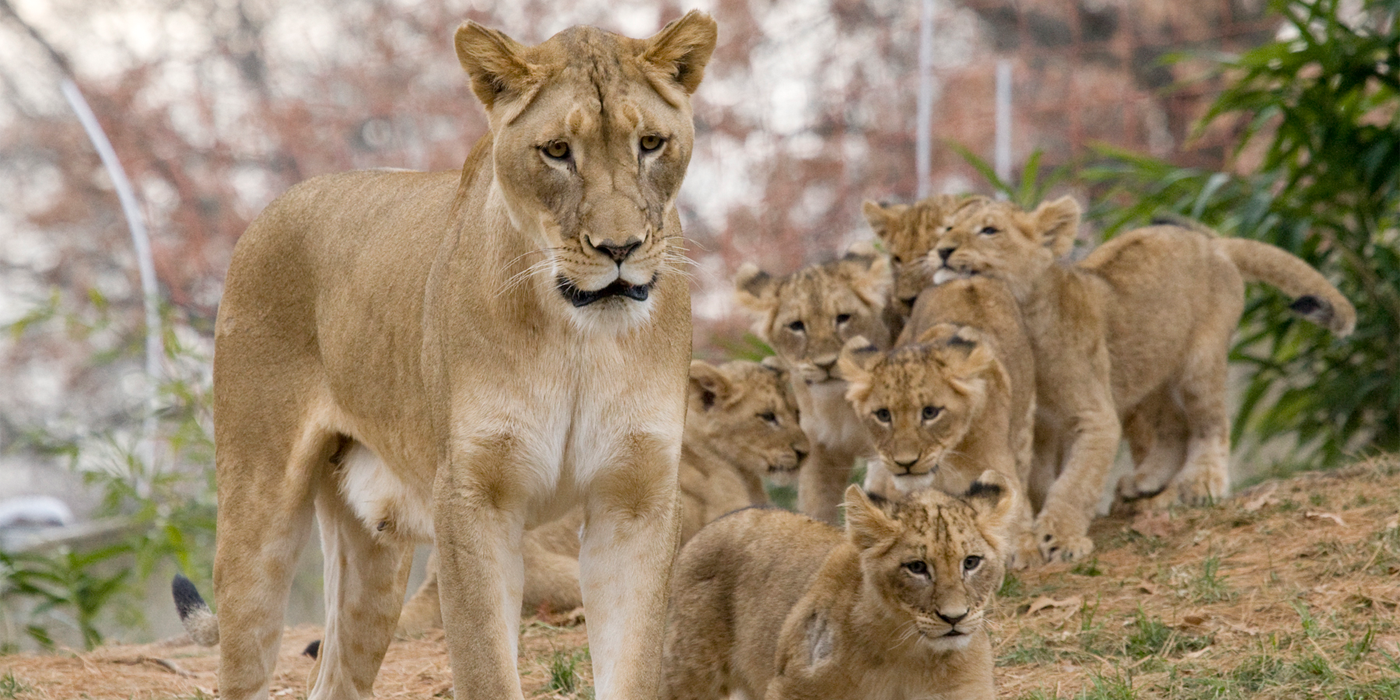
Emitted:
pixel 741 426
pixel 775 605
pixel 807 316
pixel 1148 314
pixel 909 232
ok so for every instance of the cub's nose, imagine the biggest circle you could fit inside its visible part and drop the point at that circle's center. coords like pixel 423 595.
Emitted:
pixel 619 252
pixel 909 301
pixel 952 619
pixel 945 253
pixel 800 455
pixel 906 466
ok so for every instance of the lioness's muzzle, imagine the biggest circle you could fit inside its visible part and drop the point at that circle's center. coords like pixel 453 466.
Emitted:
pixel 580 298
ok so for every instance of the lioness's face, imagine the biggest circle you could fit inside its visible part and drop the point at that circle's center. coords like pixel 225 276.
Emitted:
pixel 808 315
pixel 917 401
pixel 592 134
pixel 1000 240
pixel 934 558
pixel 749 414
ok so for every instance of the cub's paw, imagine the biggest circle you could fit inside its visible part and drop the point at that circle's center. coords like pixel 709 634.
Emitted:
pixel 1023 553
pixel 1201 487
pixel 1057 544
pixel 1136 485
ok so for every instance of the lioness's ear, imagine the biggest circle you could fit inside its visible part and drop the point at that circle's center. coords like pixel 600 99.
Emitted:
pixel 1058 224
pixel 869 273
pixel 707 384
pixel 494 61
pixel 993 500
pixel 856 358
pixel 682 48
pixel 756 290
pixel 866 524
pixel 878 215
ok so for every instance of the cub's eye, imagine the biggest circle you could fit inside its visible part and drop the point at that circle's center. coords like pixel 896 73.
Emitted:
pixel 797 326
pixel 916 567
pixel 989 231
pixel 769 417
pixel 972 563
pixel 842 318
pixel 558 150
pixel 931 412
pixel 897 260
pixel 651 143
pixel 883 415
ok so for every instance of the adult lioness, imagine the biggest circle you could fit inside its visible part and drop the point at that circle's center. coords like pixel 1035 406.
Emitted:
pixel 807 316
pixel 506 343
pixel 771 604
pixel 741 425
pixel 1147 314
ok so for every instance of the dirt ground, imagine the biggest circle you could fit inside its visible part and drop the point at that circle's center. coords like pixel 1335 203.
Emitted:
pixel 1288 590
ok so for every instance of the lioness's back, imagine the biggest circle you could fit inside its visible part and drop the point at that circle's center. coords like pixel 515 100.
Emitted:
pixel 752 565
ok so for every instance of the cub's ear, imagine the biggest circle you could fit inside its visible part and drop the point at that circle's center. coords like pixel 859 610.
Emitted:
pixel 756 290
pixel 494 62
pixel 869 274
pixel 1058 224
pixel 776 366
pixel 939 333
pixel 993 500
pixel 855 361
pixel 969 359
pixel 866 524
pixel 879 215
pixel 708 385
pixel 681 49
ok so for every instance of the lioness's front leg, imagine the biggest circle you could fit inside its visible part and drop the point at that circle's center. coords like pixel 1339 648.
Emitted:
pixel 478 501
pixel 630 536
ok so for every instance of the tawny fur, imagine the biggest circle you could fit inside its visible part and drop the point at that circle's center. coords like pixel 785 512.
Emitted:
pixel 806 317
pixel 771 604
pixel 741 426
pixel 1146 316
pixel 908 232
pixel 441 322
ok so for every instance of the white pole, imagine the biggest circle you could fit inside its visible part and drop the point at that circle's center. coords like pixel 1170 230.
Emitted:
pixel 1002 154
pixel 155 349
pixel 924 115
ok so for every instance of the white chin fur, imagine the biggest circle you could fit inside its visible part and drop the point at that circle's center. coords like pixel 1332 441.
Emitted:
pixel 944 274
pixel 945 644
pixel 913 482
pixel 615 315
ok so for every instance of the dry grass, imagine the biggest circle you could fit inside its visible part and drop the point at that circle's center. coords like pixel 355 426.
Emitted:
pixel 1290 590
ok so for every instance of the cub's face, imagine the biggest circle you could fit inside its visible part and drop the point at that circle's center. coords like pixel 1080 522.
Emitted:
pixel 932 558
pixel 918 401
pixel 1000 240
pixel 909 232
pixel 746 412
pixel 808 315
pixel 592 134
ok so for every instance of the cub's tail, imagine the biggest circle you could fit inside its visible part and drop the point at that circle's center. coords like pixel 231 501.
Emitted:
pixel 195 614
pixel 1314 298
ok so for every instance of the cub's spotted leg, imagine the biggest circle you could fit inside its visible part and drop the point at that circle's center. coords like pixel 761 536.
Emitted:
pixel 822 480
pixel 478 500
pixel 366 572
pixel 630 534
pixel 1206 476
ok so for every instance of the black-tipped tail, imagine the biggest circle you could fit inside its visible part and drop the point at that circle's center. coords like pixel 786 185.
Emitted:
pixel 313 649
pixel 195 614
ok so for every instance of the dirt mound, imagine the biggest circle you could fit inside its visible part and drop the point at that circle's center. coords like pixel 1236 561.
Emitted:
pixel 1289 590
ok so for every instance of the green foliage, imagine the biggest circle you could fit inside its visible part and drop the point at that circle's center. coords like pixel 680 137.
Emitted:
pixel 1324 109
pixel 1032 188
pixel 168 508
pixel 12 687
pixel 1210 586
pixel 564 678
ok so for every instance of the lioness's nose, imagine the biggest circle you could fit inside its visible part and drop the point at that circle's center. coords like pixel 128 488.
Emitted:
pixel 945 253
pixel 619 252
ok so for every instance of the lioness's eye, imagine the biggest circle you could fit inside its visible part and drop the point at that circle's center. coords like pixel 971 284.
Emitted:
pixel 558 150
pixel 842 318
pixel 931 412
pixel 797 326
pixel 972 562
pixel 989 231
pixel 769 417
pixel 651 142
pixel 883 415
pixel 916 567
